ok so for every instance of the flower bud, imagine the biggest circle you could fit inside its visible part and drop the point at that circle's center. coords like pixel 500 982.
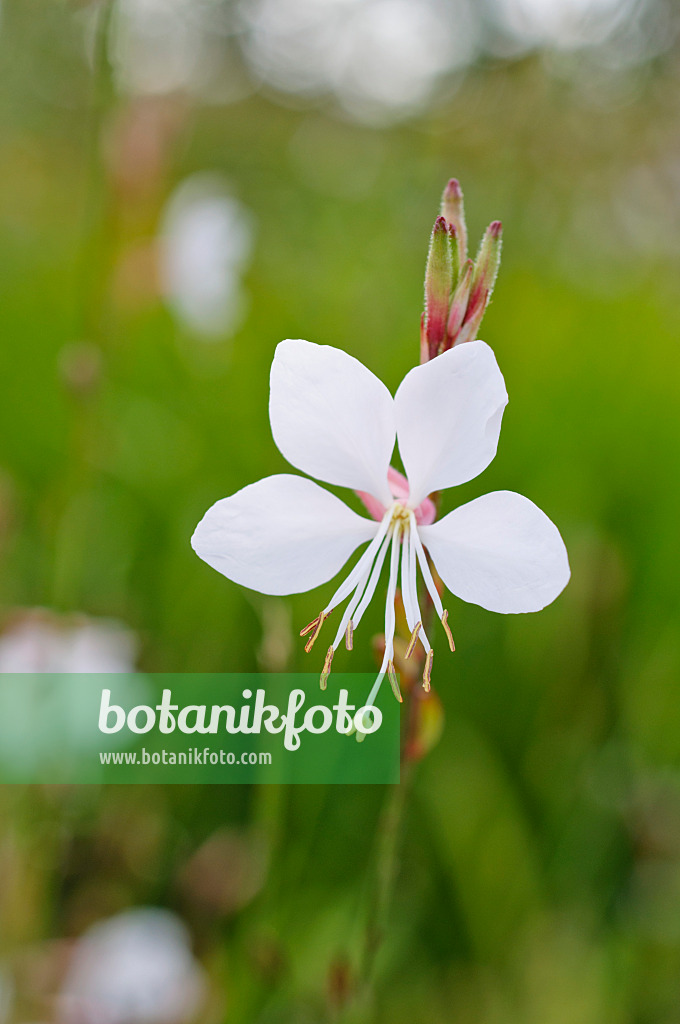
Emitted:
pixel 453 212
pixel 438 282
pixel 459 304
pixel 483 279
pixel 457 289
pixel 424 348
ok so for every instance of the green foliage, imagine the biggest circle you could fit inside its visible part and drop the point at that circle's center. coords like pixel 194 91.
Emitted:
pixel 538 875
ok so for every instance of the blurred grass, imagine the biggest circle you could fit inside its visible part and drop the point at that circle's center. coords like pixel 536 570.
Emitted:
pixel 539 876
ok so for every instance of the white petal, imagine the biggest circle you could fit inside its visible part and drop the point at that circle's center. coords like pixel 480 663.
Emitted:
pixel 499 551
pixel 448 414
pixel 281 535
pixel 331 417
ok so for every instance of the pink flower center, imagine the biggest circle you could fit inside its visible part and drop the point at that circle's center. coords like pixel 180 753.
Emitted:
pixel 425 513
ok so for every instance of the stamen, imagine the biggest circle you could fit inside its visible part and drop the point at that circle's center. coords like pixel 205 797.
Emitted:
pixel 390 614
pixel 394 682
pixel 349 636
pixel 377 684
pixel 309 627
pixel 372 583
pixel 407 583
pixel 370 571
pixel 427 575
pixel 447 628
pixel 348 585
pixel 317 629
pixel 414 640
pixel 413 581
pixel 427 672
pixel 326 671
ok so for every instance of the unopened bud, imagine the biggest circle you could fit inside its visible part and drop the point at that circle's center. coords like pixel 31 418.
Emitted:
pixel 455 258
pixel 459 304
pixel 484 277
pixel 424 348
pixel 438 281
pixel 453 212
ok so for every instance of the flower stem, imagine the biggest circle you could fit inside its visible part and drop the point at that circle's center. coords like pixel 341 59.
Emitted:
pixel 388 843
pixel 90 270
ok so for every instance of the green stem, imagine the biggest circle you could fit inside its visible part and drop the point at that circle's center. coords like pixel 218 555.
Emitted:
pixel 93 228
pixel 388 841
pixel 74 521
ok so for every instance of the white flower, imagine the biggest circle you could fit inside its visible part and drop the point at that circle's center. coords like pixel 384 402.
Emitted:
pixel 332 418
pixel 43 717
pixel 38 640
pixel 206 241
pixel 134 968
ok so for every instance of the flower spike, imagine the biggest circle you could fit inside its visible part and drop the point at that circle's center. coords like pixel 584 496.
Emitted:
pixel 470 283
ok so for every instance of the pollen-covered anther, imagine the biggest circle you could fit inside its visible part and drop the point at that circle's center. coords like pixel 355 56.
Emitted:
pixel 414 640
pixel 427 671
pixel 326 670
pixel 309 627
pixel 349 635
pixel 447 629
pixel 394 682
pixel 314 625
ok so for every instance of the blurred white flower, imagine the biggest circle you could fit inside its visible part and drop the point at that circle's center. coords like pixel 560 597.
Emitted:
pixel 382 58
pixel 43 721
pixel 134 968
pixel 40 641
pixel 166 46
pixel 206 241
pixel 564 23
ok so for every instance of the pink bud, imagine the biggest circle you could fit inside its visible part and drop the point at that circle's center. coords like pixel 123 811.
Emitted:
pixel 438 281
pixel 424 348
pixel 459 304
pixel 453 211
pixel 484 276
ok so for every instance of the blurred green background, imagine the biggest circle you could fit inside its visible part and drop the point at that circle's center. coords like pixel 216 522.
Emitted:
pixel 538 866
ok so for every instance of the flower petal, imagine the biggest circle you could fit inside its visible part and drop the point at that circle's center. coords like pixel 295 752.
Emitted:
pixel 501 552
pixel 448 414
pixel 331 417
pixel 281 535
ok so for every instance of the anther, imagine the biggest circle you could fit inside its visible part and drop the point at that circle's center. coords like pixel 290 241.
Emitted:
pixel 414 639
pixel 349 635
pixel 326 670
pixel 447 628
pixel 427 672
pixel 316 626
pixel 394 682
pixel 309 627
